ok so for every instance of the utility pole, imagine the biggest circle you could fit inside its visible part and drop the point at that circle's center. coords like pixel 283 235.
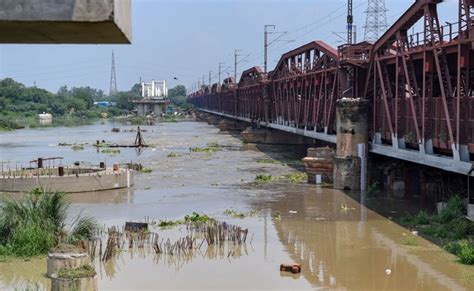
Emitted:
pixel 210 78
pixel 199 84
pixel 350 21
pixel 265 44
pixel 203 80
pixel 220 70
pixel 235 64
pixel 354 38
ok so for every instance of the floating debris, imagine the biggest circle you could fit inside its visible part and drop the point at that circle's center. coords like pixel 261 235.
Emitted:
pixel 111 151
pixel 172 155
pixel 293 268
pixel 204 150
pixel 263 178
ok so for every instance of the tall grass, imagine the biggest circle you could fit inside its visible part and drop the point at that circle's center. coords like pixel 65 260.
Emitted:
pixel 36 223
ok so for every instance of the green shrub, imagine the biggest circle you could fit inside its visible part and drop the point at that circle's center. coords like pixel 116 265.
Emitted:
pixel 233 213
pixel 196 217
pixel 172 155
pixel 31 240
pixel 422 218
pixel 297 177
pixel 77 147
pixel 204 150
pixel 111 151
pixel 169 223
pixel 453 210
pixel 463 249
pixel 85 271
pixel 33 225
pixel 466 252
pixel 263 178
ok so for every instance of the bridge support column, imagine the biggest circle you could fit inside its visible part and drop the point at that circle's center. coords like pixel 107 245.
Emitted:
pixel 201 116
pixel 350 166
pixel 213 120
pixel 232 125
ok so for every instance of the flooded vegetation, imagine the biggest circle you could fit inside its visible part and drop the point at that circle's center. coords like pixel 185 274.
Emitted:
pixel 226 216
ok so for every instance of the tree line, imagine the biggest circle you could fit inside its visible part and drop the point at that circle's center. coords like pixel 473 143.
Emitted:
pixel 20 104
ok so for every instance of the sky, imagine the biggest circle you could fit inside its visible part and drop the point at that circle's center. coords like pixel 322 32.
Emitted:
pixel 188 38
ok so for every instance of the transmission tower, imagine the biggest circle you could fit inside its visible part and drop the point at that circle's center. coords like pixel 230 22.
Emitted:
pixel 113 78
pixel 376 21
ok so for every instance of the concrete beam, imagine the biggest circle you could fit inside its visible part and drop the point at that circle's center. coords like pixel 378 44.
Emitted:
pixel 65 21
pixel 308 133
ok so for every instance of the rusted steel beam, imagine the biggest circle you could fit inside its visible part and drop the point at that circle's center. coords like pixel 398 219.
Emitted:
pixel 420 85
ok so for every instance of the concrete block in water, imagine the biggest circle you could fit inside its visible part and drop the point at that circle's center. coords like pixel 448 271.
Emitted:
pixel 321 152
pixel 319 165
pixel 66 256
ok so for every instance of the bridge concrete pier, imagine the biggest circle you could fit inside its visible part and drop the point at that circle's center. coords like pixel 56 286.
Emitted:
pixel 350 166
pixel 274 137
pixel 232 125
pixel 213 120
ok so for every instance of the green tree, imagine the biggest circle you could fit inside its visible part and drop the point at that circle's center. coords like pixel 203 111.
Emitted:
pixel 177 96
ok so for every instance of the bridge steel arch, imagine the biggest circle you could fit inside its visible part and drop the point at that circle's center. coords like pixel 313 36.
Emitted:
pixel 420 87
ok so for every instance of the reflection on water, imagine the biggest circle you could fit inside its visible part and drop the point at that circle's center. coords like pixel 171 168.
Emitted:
pixel 359 249
pixel 21 274
pixel 340 244
pixel 175 262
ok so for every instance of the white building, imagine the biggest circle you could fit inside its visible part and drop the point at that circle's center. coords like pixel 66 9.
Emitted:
pixel 45 118
pixel 154 90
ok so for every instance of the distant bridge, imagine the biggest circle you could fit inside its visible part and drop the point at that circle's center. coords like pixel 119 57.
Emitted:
pixel 420 87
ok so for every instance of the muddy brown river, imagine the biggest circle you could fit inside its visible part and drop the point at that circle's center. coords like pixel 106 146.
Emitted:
pixel 339 242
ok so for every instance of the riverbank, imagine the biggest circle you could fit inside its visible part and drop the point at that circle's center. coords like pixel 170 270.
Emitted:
pixel 449 229
pixel 12 121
